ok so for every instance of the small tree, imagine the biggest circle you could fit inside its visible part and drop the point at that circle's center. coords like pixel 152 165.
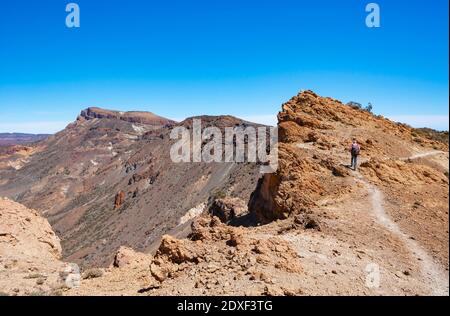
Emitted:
pixel 369 107
pixel 354 105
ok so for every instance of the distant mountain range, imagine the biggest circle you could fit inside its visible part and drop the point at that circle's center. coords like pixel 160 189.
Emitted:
pixel 20 138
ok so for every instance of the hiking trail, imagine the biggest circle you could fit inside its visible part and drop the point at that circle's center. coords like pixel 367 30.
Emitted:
pixel 435 277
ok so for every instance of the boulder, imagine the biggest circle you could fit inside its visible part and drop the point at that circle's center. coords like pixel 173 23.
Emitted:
pixel 228 208
pixel 119 199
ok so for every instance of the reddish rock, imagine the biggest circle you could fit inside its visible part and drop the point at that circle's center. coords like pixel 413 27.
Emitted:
pixel 228 208
pixel 119 200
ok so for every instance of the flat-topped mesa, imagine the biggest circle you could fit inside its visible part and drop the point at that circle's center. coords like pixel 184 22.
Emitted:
pixel 132 116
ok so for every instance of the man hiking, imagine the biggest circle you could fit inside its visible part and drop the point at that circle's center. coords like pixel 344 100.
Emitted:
pixel 354 150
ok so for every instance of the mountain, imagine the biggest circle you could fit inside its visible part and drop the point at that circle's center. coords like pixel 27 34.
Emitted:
pixel 313 227
pixel 140 117
pixel 7 139
pixel 107 180
pixel 324 229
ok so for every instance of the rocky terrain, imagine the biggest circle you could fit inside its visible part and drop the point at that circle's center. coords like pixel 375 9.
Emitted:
pixel 29 252
pixel 107 181
pixel 314 227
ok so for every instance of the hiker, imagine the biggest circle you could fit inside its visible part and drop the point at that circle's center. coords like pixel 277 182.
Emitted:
pixel 354 150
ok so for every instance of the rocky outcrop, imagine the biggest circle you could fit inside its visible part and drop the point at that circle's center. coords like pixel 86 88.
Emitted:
pixel 29 251
pixel 26 229
pixel 126 256
pixel 119 199
pixel 209 235
pixel 228 208
pixel 314 133
pixel 293 189
pixel 216 259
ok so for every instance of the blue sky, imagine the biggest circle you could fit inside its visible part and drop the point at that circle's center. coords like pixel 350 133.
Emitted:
pixel 182 58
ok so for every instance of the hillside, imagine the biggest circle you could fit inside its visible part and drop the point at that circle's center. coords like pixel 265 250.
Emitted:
pixel 327 229
pixel 107 180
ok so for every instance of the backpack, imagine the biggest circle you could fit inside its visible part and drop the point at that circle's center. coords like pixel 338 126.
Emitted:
pixel 355 149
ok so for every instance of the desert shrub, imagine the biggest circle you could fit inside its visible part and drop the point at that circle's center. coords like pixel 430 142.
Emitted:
pixel 369 108
pixel 34 276
pixel 358 106
pixel 219 194
pixel 92 273
pixel 431 134
pixel 354 105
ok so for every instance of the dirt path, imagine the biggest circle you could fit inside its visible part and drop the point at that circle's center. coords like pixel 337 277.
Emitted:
pixel 434 276
pixel 424 154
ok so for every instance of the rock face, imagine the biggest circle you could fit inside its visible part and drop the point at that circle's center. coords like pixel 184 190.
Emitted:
pixel 291 190
pixel 132 117
pixel 27 231
pixel 29 251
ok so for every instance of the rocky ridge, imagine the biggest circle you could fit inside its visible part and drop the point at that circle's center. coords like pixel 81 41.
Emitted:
pixel 315 227
pixel 324 224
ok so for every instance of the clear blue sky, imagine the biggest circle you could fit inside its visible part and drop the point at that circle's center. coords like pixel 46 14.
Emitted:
pixel 181 58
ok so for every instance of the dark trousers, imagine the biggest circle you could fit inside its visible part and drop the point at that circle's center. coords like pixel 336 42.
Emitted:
pixel 354 162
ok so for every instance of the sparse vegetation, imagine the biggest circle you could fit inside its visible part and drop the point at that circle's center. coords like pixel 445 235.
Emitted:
pixel 34 276
pixel 358 106
pixel 219 194
pixel 440 136
pixel 92 273
pixel 66 171
pixel 354 105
